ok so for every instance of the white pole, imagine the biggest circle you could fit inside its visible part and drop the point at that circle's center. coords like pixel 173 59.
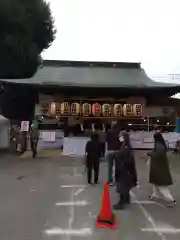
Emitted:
pixel 148 122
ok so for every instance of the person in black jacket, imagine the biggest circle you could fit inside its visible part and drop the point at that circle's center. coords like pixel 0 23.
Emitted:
pixel 113 146
pixel 160 175
pixel 125 171
pixel 93 153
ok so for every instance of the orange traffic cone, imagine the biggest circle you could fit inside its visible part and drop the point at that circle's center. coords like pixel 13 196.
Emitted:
pixel 106 218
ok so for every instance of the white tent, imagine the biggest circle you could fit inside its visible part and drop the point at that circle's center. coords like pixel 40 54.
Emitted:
pixel 4 132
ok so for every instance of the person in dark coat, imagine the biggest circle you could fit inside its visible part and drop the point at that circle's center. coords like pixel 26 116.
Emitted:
pixel 34 137
pixel 125 172
pixel 160 175
pixel 93 151
pixel 113 146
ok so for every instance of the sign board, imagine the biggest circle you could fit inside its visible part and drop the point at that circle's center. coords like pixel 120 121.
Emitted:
pixel 24 126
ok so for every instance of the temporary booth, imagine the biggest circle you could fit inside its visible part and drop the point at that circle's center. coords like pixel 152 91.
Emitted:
pixel 4 133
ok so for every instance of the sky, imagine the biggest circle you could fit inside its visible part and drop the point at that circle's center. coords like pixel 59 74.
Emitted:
pixel 146 31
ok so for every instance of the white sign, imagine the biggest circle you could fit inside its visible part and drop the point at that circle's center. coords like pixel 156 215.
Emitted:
pixel 148 140
pixel 25 126
pixel 49 136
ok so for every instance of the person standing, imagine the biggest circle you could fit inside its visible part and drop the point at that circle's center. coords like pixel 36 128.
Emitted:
pixel 93 152
pixel 160 175
pixel 125 172
pixel 34 137
pixel 113 146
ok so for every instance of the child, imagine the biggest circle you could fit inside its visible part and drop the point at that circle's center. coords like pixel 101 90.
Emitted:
pixel 93 153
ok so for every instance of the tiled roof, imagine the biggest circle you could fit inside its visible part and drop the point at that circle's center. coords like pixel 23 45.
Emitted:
pixel 91 74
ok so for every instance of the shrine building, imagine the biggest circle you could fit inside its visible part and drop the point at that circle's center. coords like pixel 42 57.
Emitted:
pixel 92 95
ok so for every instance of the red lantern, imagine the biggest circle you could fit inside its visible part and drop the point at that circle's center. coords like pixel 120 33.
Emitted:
pixel 128 110
pixel 118 110
pixel 65 108
pixel 86 109
pixel 137 109
pixel 106 110
pixel 75 108
pixel 96 110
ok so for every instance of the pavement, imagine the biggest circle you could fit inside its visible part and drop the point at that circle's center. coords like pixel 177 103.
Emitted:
pixel 48 198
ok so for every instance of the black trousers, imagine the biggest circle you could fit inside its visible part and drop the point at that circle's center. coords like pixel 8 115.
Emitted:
pixel 124 198
pixel 93 165
pixel 34 143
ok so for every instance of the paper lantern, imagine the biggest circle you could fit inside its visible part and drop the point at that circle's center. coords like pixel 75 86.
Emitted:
pixel 128 110
pixel 75 108
pixel 118 110
pixel 65 108
pixel 53 108
pixel 86 109
pixel 137 109
pixel 106 110
pixel 96 110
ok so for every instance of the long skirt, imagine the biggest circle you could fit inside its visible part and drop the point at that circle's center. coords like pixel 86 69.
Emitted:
pixel 162 192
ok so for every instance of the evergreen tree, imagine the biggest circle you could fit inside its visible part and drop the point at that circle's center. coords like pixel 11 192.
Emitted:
pixel 26 29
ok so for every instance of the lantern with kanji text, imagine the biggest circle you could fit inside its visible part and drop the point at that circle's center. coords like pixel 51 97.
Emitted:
pixel 96 110
pixel 137 109
pixel 106 110
pixel 118 110
pixel 53 108
pixel 75 109
pixel 65 108
pixel 86 109
pixel 128 110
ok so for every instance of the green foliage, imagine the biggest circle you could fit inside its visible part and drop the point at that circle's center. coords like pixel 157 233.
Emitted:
pixel 26 29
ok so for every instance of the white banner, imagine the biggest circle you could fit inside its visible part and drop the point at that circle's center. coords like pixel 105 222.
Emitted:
pixel 49 136
pixel 74 146
pixel 24 126
pixel 139 140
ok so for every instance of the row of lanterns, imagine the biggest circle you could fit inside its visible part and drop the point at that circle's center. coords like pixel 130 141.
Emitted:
pixel 96 109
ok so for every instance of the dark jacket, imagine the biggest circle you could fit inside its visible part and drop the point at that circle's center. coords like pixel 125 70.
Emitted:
pixel 125 169
pixel 159 167
pixel 112 139
pixel 93 152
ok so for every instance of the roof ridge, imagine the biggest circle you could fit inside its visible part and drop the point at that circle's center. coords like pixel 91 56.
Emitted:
pixel 105 64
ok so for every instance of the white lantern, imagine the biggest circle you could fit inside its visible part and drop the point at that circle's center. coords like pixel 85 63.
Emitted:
pixel 53 108
pixel 86 109
pixel 137 109
pixel 106 110
pixel 65 108
pixel 118 110
pixel 128 110
pixel 75 108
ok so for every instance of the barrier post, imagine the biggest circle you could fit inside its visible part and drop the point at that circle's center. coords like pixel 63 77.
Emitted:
pixel 178 122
